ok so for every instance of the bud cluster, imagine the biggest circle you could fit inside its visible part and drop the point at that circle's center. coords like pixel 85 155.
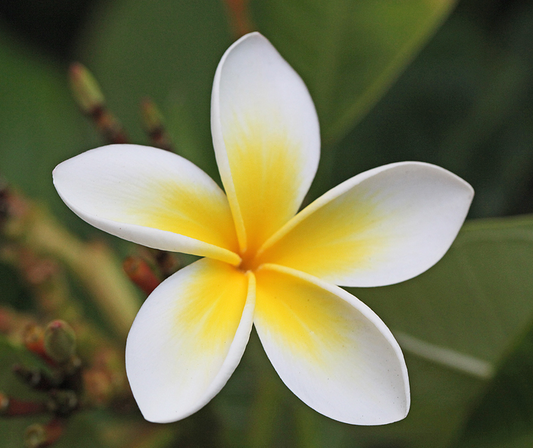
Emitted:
pixel 58 377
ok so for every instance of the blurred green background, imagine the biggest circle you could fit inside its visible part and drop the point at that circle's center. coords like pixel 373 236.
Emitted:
pixel 423 80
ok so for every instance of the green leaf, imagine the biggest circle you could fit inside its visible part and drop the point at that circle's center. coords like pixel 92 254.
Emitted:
pixel 504 416
pixel 348 52
pixel 457 323
pixel 465 103
pixel 167 50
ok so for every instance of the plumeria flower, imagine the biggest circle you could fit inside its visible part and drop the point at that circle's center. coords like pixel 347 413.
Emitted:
pixel 263 263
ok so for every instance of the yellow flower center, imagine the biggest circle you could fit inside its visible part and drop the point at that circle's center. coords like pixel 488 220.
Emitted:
pixel 249 261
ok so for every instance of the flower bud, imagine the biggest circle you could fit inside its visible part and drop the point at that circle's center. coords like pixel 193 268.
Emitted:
pixel 141 273
pixel 86 90
pixel 91 100
pixel 33 340
pixel 59 341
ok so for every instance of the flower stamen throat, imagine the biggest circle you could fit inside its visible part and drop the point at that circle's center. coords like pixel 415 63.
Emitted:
pixel 249 261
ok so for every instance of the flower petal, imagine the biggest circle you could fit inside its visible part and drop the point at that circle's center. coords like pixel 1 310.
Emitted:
pixel 188 338
pixel 151 197
pixel 381 227
pixel 330 349
pixel 266 137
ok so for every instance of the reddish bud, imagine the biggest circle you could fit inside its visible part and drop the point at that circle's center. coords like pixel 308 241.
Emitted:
pixel 140 273
pixel 33 339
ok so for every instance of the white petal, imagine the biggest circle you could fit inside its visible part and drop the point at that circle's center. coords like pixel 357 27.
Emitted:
pixel 151 197
pixel 188 338
pixel 330 349
pixel 266 137
pixel 383 226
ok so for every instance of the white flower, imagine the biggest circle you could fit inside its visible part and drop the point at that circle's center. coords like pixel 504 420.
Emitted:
pixel 264 264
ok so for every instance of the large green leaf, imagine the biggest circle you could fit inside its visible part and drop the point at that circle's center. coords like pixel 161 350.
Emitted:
pixel 164 49
pixel 466 104
pixel 457 322
pixel 504 416
pixel 348 52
